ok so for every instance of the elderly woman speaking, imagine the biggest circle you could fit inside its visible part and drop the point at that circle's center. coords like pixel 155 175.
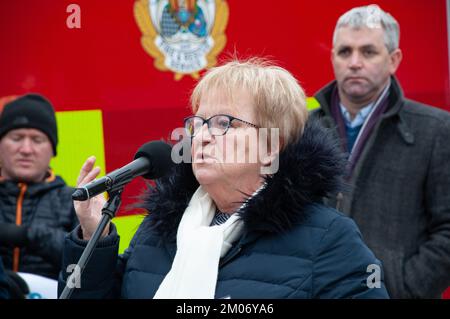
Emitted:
pixel 244 218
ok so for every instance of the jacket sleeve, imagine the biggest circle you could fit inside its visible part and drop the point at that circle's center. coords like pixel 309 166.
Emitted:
pixel 4 286
pixel 427 272
pixel 102 277
pixel 344 266
pixel 48 242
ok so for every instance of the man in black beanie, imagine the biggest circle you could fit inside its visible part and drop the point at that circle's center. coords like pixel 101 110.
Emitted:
pixel 36 209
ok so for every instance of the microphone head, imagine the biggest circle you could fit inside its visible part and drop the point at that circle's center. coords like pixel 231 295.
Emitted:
pixel 80 194
pixel 158 154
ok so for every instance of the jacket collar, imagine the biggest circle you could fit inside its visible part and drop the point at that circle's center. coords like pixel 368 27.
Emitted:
pixel 309 170
pixel 51 181
pixel 396 103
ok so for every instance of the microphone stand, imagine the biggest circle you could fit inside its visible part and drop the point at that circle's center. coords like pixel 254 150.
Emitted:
pixel 108 212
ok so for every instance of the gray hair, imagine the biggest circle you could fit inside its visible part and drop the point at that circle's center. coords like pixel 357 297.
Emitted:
pixel 371 16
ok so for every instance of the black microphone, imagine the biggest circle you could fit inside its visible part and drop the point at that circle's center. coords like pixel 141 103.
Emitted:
pixel 152 160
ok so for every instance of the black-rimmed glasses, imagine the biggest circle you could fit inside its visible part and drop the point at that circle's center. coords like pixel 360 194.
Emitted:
pixel 217 124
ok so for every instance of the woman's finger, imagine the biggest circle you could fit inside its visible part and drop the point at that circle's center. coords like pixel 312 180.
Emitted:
pixel 90 176
pixel 85 169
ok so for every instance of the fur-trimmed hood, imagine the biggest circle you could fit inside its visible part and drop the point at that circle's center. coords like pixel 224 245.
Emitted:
pixel 309 170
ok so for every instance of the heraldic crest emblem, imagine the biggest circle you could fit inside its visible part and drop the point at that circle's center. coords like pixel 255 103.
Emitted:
pixel 183 36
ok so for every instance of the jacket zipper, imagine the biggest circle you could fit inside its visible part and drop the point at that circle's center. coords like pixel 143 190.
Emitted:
pixel 16 251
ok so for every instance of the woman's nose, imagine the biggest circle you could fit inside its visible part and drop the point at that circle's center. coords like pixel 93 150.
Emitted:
pixel 203 136
pixel 204 132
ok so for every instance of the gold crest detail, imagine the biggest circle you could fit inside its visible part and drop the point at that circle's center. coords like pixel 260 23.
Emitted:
pixel 183 36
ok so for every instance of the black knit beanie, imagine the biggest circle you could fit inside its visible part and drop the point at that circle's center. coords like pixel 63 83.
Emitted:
pixel 30 111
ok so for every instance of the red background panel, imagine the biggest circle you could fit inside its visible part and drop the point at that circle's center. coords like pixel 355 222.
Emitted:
pixel 103 64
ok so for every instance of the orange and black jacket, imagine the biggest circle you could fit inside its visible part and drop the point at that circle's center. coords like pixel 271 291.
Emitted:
pixel 44 213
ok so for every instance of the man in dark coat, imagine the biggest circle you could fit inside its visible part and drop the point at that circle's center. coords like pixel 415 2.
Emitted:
pixel 399 155
pixel 36 210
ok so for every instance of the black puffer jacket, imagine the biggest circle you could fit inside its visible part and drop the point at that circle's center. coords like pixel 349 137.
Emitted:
pixel 47 214
pixel 292 245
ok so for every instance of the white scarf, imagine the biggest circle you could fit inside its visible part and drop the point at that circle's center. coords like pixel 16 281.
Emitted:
pixel 199 248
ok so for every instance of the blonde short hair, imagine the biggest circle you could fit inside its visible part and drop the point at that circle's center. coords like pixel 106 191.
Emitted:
pixel 279 100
